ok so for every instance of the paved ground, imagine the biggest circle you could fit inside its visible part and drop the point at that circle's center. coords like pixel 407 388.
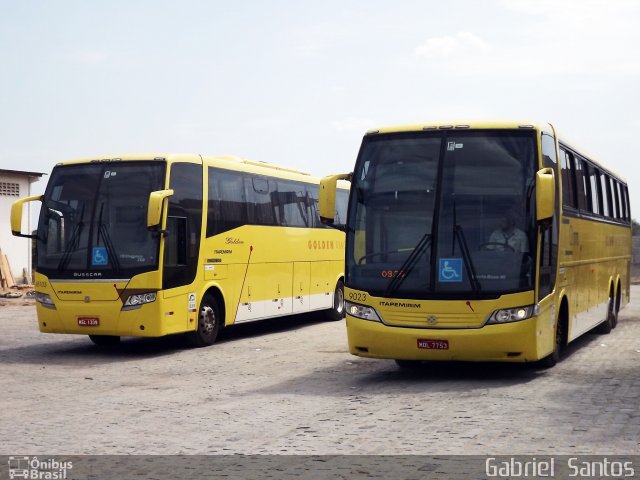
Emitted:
pixel 291 388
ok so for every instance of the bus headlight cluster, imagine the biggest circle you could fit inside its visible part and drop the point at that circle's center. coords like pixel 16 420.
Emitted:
pixel 360 311
pixel 45 300
pixel 517 314
pixel 135 301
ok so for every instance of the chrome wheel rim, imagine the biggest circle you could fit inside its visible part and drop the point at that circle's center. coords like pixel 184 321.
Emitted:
pixel 207 320
pixel 338 301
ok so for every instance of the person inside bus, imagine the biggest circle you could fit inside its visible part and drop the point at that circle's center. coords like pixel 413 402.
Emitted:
pixel 508 236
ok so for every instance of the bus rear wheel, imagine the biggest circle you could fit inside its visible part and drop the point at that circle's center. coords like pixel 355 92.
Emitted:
pixel 208 323
pixel 337 310
pixel 611 321
pixel 105 340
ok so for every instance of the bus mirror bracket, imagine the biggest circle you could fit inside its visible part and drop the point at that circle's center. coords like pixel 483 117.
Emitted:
pixel 545 194
pixel 327 198
pixel 154 210
pixel 16 215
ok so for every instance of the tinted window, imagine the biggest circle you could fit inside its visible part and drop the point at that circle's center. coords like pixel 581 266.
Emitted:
pixel 261 210
pixel 591 183
pixel 184 222
pixel 433 213
pixel 568 193
pixel 94 218
pixel 604 194
pixel 581 192
pixel 616 199
pixel 237 199
pixel 627 210
pixel 342 197
pixel 227 201
pixel 290 204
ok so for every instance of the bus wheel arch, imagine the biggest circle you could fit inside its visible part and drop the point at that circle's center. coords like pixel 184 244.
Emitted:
pixel 560 337
pixel 611 319
pixel 211 315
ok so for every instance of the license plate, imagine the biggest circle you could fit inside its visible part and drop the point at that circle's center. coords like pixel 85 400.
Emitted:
pixel 88 322
pixel 427 344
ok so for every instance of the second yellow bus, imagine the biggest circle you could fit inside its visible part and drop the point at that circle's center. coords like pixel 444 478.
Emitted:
pixel 151 245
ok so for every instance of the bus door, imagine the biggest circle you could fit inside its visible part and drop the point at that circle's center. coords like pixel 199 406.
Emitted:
pixel 182 244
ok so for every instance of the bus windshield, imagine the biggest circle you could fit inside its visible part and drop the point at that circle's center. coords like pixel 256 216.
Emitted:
pixel 443 214
pixel 93 221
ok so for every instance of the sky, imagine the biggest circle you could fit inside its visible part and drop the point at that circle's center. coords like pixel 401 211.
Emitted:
pixel 298 83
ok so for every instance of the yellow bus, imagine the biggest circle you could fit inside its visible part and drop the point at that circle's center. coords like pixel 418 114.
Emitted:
pixel 148 245
pixel 487 241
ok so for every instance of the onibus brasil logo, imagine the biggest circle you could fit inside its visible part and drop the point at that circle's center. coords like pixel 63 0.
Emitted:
pixel 34 469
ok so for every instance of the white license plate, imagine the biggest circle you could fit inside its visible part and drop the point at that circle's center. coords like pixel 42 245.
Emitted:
pixel 88 321
pixel 427 344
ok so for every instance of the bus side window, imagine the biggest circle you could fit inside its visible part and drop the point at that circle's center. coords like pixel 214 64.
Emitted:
pixel 616 198
pixel 260 205
pixel 227 206
pixel 604 194
pixel 312 207
pixel 176 242
pixel 568 179
pixel 581 191
pixel 342 198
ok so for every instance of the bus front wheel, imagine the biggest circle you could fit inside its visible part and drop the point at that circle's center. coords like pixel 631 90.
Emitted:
pixel 337 310
pixel 559 343
pixel 208 323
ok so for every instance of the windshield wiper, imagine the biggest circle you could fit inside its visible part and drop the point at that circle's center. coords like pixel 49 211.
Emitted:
pixel 73 243
pixel 458 234
pixel 106 238
pixel 407 267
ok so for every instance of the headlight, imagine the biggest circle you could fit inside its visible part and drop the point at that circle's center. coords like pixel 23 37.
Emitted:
pixel 360 311
pixel 136 301
pixel 517 314
pixel 45 300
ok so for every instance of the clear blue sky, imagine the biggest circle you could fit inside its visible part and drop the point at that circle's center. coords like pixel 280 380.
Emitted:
pixel 298 83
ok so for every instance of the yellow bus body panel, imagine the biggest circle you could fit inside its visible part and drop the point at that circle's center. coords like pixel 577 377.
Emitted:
pixel 462 324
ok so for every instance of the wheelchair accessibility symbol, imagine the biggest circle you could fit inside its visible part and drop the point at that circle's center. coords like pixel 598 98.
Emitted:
pixel 450 270
pixel 99 256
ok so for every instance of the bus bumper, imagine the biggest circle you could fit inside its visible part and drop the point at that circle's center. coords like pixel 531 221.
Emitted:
pixel 149 320
pixel 510 342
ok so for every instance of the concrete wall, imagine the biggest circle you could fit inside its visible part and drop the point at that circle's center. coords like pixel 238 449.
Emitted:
pixel 18 250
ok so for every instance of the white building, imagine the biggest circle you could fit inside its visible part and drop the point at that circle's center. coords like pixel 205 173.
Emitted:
pixel 15 184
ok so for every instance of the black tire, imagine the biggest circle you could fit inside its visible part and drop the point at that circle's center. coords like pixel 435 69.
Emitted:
pixel 559 342
pixel 105 340
pixel 337 311
pixel 609 324
pixel 617 308
pixel 208 323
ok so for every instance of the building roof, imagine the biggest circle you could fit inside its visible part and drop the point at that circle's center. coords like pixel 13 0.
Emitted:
pixel 20 172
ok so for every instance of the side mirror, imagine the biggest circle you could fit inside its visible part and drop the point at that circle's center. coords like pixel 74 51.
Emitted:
pixel 545 194
pixel 16 215
pixel 154 209
pixel 327 197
